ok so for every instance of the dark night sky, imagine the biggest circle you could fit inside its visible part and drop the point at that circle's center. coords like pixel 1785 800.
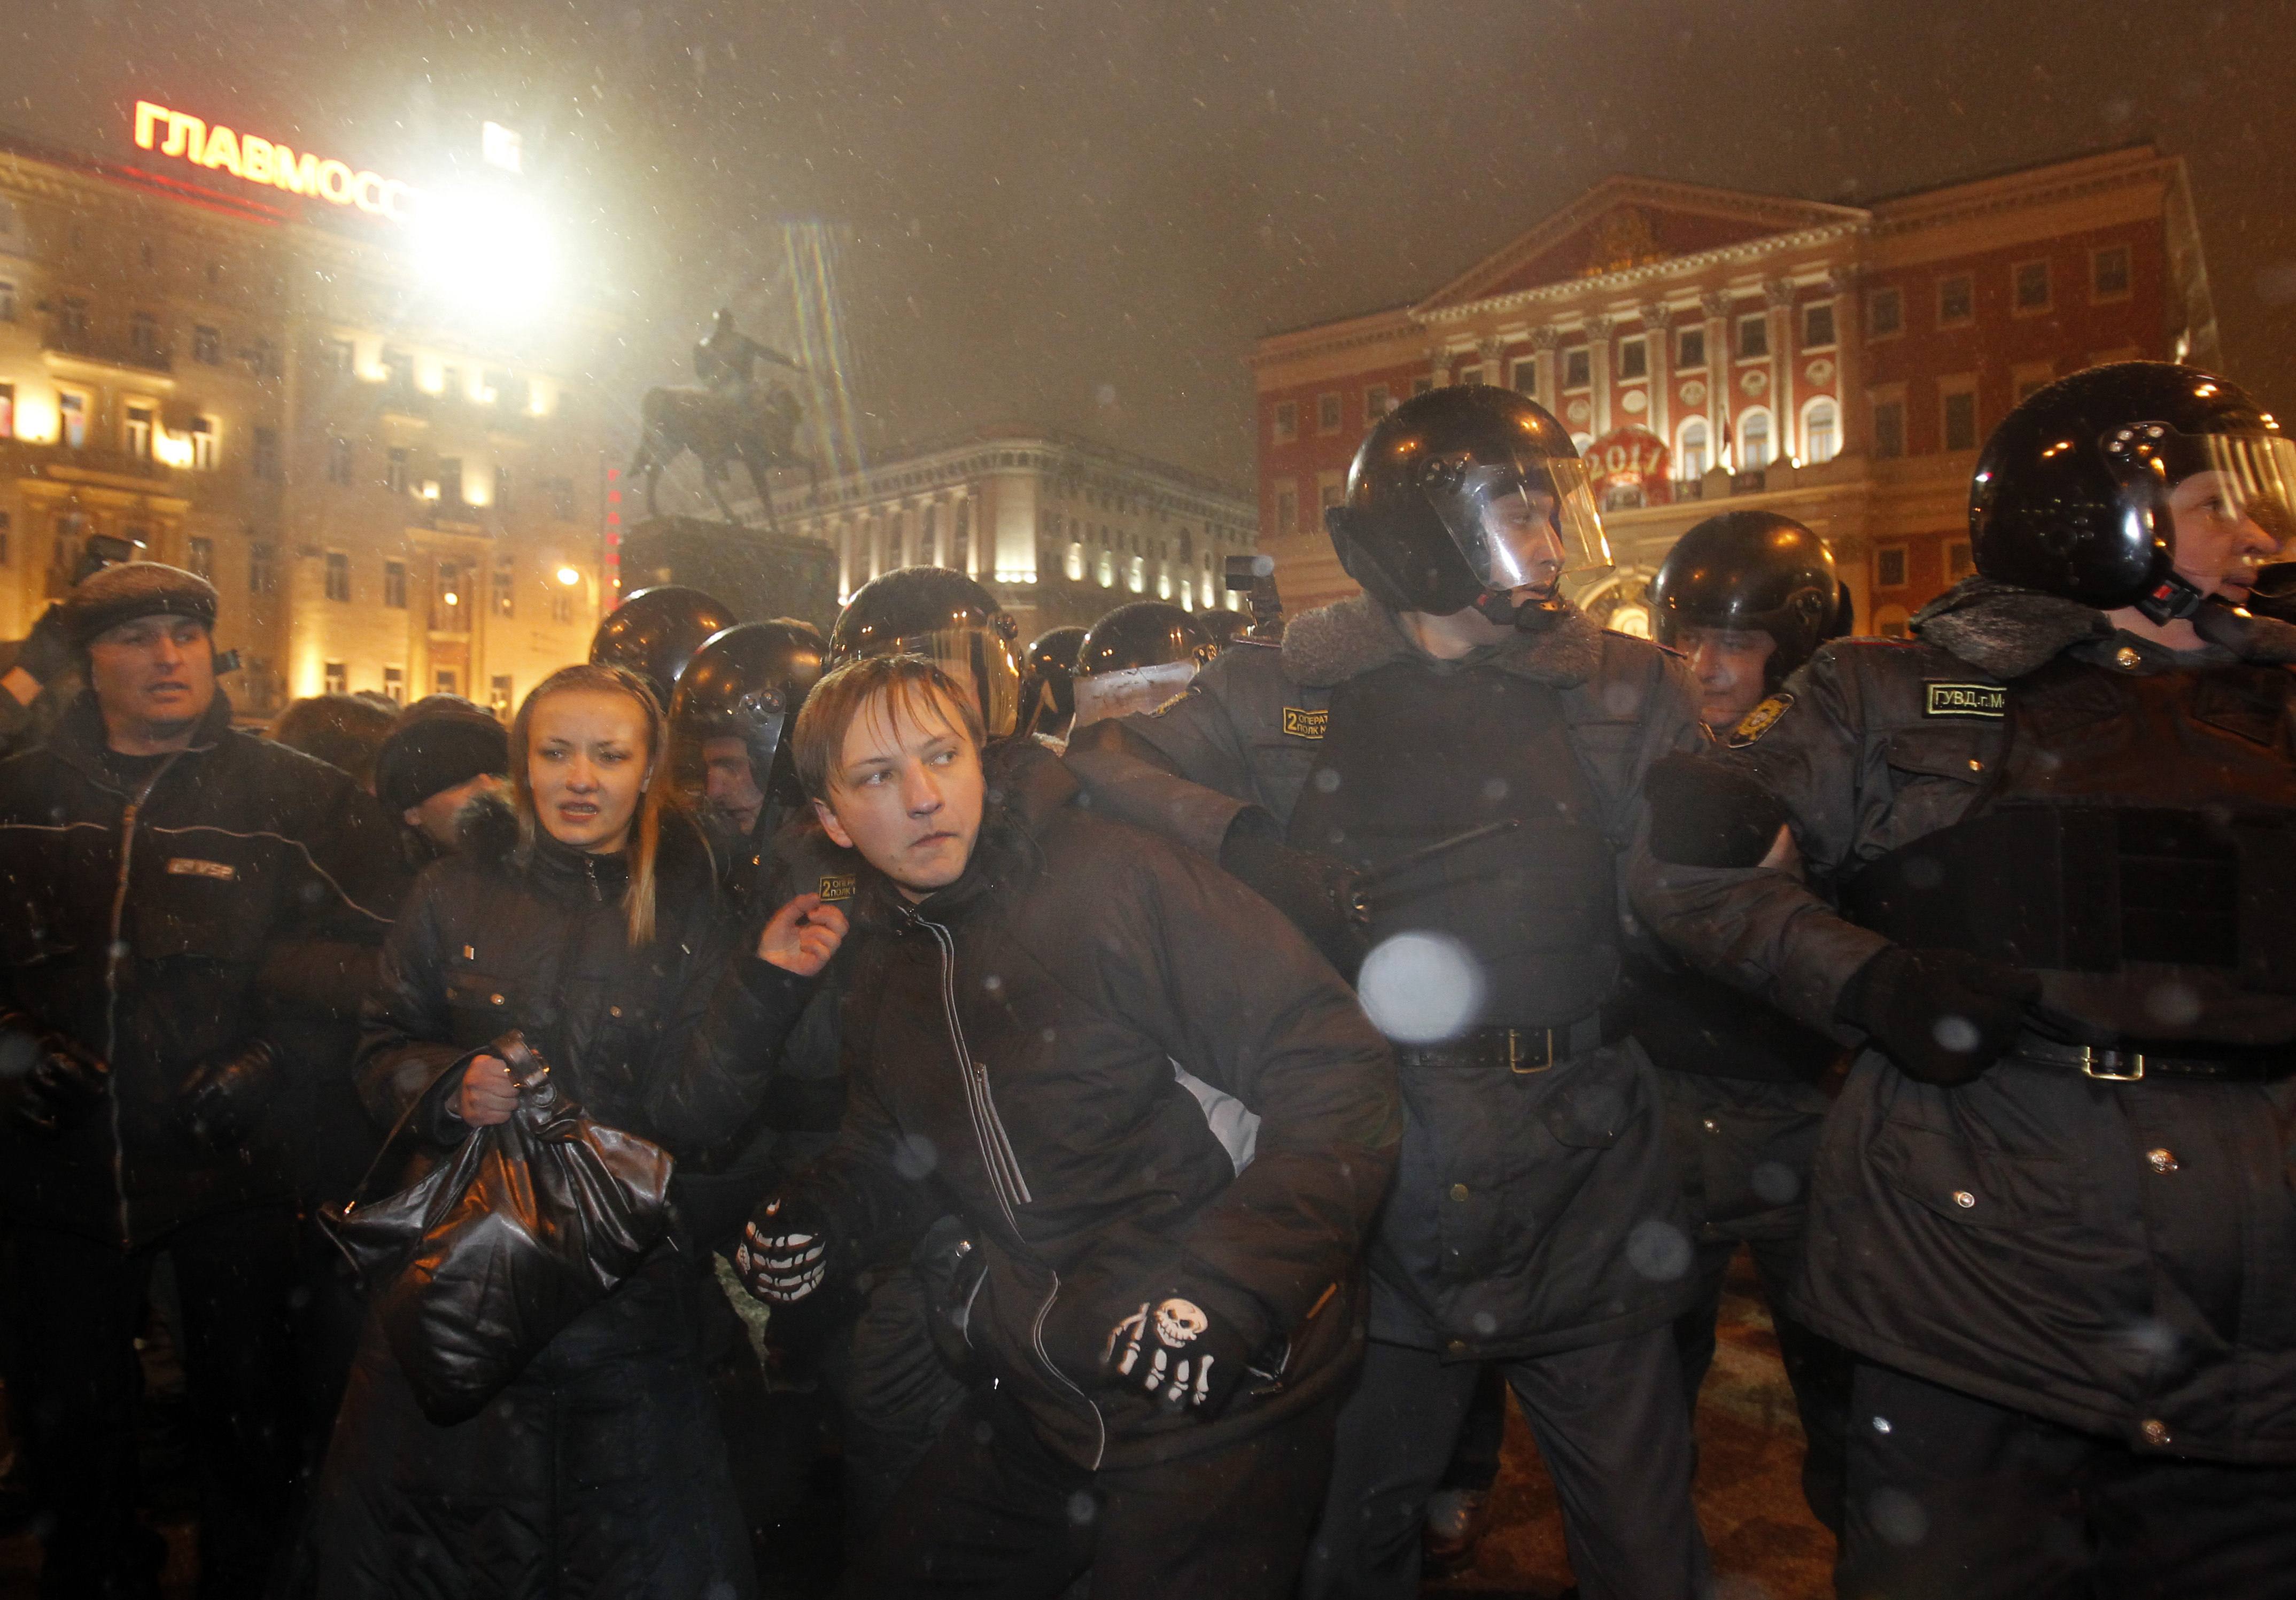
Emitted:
pixel 1082 211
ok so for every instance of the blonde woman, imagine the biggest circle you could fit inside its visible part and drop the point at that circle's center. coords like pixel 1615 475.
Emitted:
pixel 585 913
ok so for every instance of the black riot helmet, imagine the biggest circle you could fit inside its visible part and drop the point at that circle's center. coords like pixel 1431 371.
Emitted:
pixel 1751 572
pixel 655 632
pixel 747 683
pixel 1136 658
pixel 1461 495
pixel 2072 491
pixel 946 617
pixel 1051 669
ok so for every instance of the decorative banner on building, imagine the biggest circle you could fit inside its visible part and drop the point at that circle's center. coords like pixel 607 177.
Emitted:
pixel 254 160
pixel 1630 467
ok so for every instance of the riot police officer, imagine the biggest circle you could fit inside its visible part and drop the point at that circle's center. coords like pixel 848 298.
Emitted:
pixel 1136 658
pixel 1460 752
pixel 730 720
pixel 2051 1207
pixel 1051 671
pixel 1747 597
pixel 655 632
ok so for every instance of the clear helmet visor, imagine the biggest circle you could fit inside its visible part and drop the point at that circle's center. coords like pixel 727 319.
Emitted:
pixel 2232 497
pixel 1105 694
pixel 981 662
pixel 1526 523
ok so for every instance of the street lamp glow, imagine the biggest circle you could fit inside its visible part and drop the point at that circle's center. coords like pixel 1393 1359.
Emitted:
pixel 490 247
pixel 568 577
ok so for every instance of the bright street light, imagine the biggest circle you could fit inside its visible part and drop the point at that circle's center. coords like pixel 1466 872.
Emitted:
pixel 568 577
pixel 488 247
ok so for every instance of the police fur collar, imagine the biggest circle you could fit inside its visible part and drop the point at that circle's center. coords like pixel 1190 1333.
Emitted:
pixel 2007 630
pixel 1333 643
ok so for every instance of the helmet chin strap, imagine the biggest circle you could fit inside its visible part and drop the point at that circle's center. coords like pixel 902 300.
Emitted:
pixel 1539 611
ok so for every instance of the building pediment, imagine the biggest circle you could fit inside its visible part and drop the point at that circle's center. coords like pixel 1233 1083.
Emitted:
pixel 1624 223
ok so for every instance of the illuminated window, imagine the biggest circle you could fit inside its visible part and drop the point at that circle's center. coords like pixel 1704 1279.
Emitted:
pixel 2031 280
pixel 1753 335
pixel 394 585
pixel 1956 301
pixel 262 569
pixel 1634 358
pixel 207 346
pixel 1327 413
pixel 2108 273
pixel 1754 441
pixel 1885 312
pixel 1818 325
pixel 72 419
pixel 1578 369
pixel 1889 567
pixel 338 677
pixel 1690 349
pixel 1821 432
pixel 339 461
pixel 1692 459
pixel 1287 422
pixel 199 556
pixel 338 576
pixel 139 432
pixel 203 443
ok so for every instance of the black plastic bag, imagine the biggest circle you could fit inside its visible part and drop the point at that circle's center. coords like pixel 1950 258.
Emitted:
pixel 530 1223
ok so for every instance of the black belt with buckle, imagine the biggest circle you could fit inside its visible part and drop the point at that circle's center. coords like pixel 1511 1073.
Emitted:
pixel 1521 1050
pixel 2132 1060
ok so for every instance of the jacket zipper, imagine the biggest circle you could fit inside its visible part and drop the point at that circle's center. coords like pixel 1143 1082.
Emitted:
pixel 113 955
pixel 1036 1338
pixel 997 1154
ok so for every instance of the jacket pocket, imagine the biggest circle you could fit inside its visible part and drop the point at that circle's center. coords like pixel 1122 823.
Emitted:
pixel 1970 1186
pixel 481 1004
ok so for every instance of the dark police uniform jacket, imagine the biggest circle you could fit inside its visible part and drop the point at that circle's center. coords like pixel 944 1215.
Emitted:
pixel 1531 1212
pixel 2024 783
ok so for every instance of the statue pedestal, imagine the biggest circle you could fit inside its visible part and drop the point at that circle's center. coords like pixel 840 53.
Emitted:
pixel 760 575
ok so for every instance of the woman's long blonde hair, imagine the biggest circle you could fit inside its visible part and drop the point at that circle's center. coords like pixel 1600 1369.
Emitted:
pixel 660 792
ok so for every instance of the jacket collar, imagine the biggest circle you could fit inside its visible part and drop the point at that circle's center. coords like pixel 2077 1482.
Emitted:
pixel 80 740
pixel 1329 646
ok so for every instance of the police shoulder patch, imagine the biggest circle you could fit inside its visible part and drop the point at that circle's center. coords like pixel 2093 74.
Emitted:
pixel 1301 723
pixel 1988 701
pixel 836 886
pixel 190 866
pixel 1759 721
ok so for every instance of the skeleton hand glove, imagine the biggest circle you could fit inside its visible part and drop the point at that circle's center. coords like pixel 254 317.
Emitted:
pixel 783 1255
pixel 62 1083
pixel 1173 1351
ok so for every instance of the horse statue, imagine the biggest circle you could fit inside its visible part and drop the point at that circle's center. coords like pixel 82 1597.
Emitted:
pixel 732 419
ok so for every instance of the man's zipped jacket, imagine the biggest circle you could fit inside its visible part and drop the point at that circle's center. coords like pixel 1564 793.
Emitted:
pixel 147 907
pixel 1010 1046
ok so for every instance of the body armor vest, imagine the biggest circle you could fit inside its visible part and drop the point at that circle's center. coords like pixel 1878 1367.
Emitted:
pixel 2136 845
pixel 1412 756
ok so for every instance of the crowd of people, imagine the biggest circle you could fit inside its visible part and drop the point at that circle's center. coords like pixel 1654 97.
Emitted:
pixel 1132 1107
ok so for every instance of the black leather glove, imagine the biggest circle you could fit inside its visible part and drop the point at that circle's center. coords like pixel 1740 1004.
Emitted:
pixel 44 654
pixel 1942 1016
pixel 784 1253
pixel 1323 898
pixel 1178 1354
pixel 64 1084
pixel 224 1099
pixel 2251 633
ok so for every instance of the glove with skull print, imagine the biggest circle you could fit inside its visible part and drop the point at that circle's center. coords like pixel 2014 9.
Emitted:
pixel 1178 1354
pixel 784 1253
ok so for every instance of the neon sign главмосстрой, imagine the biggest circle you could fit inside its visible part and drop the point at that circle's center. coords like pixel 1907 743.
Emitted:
pixel 258 161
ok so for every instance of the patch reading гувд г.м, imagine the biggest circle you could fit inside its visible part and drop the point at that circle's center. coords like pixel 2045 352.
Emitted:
pixel 1759 721
pixel 1990 700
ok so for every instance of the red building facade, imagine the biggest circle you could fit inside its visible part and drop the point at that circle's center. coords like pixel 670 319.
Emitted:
pixel 1840 365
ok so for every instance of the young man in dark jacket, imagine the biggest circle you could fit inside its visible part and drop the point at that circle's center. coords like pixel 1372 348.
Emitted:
pixel 2047 844
pixel 163 880
pixel 1169 1336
